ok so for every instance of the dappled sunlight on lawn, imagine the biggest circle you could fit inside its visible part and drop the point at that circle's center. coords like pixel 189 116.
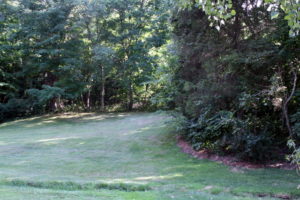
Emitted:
pixel 142 179
pixel 156 178
pixel 20 121
pixel 56 139
pixel 44 122
pixel 3 143
pixel 143 130
pixel 69 117
pixel 135 131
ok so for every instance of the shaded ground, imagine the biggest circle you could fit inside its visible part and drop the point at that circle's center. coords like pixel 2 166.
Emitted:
pixel 120 156
pixel 231 160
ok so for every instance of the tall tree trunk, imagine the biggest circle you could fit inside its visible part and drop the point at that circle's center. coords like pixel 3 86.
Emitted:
pixel 49 80
pixel 237 23
pixel 285 105
pixel 88 99
pixel 130 96
pixel 102 108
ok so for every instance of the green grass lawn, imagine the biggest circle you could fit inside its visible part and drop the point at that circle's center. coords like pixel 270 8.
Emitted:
pixel 119 156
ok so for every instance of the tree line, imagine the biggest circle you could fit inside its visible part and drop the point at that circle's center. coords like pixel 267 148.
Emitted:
pixel 59 54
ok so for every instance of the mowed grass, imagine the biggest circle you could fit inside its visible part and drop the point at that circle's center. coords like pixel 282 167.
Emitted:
pixel 120 156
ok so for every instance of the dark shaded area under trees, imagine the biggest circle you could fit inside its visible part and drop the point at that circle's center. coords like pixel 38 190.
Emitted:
pixel 237 87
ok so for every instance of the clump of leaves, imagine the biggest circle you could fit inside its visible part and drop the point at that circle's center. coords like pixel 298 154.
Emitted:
pixel 295 156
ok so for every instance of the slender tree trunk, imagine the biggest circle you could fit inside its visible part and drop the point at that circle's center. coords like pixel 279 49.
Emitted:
pixel 102 108
pixel 83 100
pixel 88 99
pixel 130 97
pixel 285 106
pixel 52 105
pixel 50 80
pixel 237 23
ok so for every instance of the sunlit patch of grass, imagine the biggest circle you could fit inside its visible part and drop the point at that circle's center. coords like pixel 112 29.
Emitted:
pixel 119 156
pixel 171 176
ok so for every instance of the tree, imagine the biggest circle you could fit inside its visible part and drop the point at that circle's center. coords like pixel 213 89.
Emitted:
pixel 103 57
pixel 234 81
pixel 140 27
pixel 224 10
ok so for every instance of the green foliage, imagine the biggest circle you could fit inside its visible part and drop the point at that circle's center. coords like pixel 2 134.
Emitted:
pixel 224 133
pixel 57 55
pixel 41 97
pixel 231 84
pixel 295 156
pixel 14 108
pixel 224 10
pixel 162 80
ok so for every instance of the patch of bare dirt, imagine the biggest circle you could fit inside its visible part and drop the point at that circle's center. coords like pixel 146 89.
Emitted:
pixel 277 196
pixel 231 161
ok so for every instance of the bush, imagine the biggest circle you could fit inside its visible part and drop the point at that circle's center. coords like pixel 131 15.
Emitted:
pixel 14 108
pixel 224 133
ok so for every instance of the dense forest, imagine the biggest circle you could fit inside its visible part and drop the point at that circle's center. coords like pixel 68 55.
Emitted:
pixel 79 54
pixel 228 69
